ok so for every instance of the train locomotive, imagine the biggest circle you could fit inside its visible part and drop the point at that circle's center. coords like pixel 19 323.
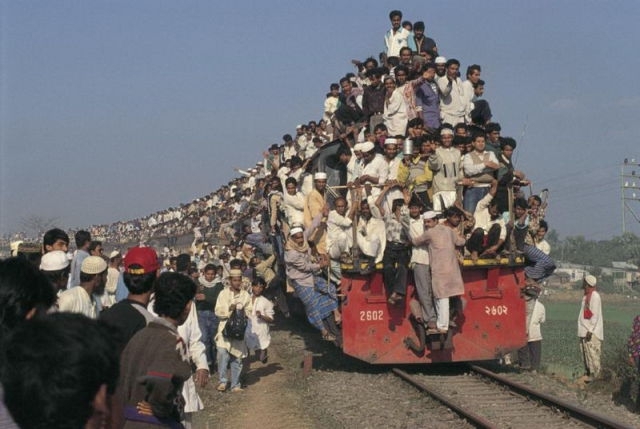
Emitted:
pixel 488 321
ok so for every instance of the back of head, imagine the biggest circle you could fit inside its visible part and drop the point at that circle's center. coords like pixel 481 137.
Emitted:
pixel 172 293
pixel 182 262
pixel 23 289
pixel 53 368
pixel 82 237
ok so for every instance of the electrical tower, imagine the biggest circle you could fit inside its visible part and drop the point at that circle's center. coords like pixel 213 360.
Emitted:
pixel 630 186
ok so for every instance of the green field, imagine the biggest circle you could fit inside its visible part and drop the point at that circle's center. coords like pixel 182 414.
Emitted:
pixel 560 350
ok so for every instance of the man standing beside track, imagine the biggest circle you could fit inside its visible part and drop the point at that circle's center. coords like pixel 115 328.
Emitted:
pixel 590 328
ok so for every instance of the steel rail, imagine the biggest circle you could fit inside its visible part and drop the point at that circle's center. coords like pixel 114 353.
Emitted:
pixel 572 410
pixel 475 419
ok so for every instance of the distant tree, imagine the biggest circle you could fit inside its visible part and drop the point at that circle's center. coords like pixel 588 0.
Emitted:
pixel 38 225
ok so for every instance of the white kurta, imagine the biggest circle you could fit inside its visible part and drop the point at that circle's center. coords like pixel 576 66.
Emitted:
pixel 257 335
pixel 237 348
pixel 595 323
pixel 77 300
pixel 395 114
pixel 339 234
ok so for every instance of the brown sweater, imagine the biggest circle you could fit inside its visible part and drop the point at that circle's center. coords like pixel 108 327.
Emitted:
pixel 153 368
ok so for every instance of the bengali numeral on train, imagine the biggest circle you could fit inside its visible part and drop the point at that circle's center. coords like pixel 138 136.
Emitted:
pixel 496 310
pixel 368 316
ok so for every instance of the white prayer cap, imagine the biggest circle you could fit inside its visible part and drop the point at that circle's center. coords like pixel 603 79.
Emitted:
pixel 367 146
pixel 390 141
pixel 446 131
pixel 429 214
pixel 357 147
pixel 298 126
pixel 295 230
pixel 591 280
pixel 113 254
pixel 320 175
pixel 54 261
pixel 441 60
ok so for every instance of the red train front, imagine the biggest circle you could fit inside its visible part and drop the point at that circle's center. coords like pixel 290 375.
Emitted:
pixel 489 320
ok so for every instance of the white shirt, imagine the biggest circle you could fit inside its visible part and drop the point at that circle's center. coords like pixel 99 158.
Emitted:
pixel 378 167
pixel 77 300
pixel 419 254
pixel 395 42
pixel 595 324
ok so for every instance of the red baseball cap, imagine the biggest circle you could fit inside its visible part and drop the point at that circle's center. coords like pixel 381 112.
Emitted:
pixel 145 257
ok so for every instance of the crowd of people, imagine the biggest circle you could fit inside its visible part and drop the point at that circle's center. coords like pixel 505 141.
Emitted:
pixel 406 172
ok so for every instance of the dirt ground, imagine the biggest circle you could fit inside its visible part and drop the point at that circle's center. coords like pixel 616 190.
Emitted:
pixel 269 400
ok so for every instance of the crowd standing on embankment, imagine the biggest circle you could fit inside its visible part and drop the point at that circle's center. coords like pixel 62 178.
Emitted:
pixel 407 167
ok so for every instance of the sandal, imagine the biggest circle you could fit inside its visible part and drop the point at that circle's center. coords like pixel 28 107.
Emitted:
pixel 328 337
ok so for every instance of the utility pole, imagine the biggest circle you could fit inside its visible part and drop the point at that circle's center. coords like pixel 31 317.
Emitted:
pixel 630 187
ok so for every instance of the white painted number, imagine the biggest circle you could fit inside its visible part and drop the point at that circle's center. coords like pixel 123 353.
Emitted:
pixel 496 310
pixel 371 315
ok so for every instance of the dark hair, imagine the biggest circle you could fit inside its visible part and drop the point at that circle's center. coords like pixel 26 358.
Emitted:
pixel 415 122
pixel 418 25
pixel 182 262
pixel 173 291
pixel 451 62
pixel 427 66
pixel 396 204
pixel 259 281
pixel 93 244
pixel 543 224
pixel 452 211
pixel 402 68
pixel 475 135
pixel 22 288
pixel 291 180
pixel 334 86
pixel 395 13
pixel 235 263
pixel 370 59
pixel 344 79
pixel 82 237
pixel 521 203
pixel 57 364
pixel 209 267
pixel 460 125
pixel 537 198
pixel 407 23
pixel 507 141
pixel 374 72
pixel 405 48
pixel 53 235
pixel 472 68
pixel 287 138
pixel 381 127
pixel 138 283
pixel 480 82
pixel 492 126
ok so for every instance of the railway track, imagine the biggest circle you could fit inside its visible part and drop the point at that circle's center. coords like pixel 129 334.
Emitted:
pixel 488 400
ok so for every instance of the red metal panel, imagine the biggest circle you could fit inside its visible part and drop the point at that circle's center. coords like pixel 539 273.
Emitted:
pixel 492 321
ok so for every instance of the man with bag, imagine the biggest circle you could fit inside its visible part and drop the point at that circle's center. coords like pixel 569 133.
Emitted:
pixel 231 308
pixel 590 328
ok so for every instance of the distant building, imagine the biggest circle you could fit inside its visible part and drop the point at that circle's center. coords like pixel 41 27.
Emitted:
pixel 625 275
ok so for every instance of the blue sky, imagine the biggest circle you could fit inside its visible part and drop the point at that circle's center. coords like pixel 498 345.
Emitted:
pixel 112 110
